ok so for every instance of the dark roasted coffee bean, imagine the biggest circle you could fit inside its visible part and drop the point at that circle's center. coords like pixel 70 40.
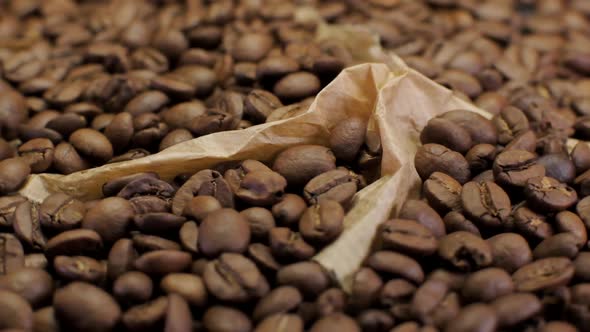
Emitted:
pixel 110 218
pixel 263 257
pixel 336 321
pixel 79 268
pixel 17 313
pixel 549 195
pixel 44 320
pixel 559 167
pixel 259 104
pixel 13 173
pixel 36 261
pixel 234 278
pixel 261 221
pixel 259 188
pixel 92 144
pixel 513 309
pixel 74 242
pixel 11 254
pixel 396 291
pixel 161 262
pixel 581 157
pixel 546 273
pixel 178 315
pixel 200 206
pixel 219 318
pixel 27 225
pixel 144 243
pixel 323 222
pixel 252 47
pixel 120 258
pixel 223 230
pixel 149 315
pixel 330 301
pixel 394 264
pixel 67 160
pixel 279 300
pixel 485 203
pixel 447 133
pixel 81 306
pixel 407 236
pixel 347 137
pixel 442 192
pixel 569 222
pixel 34 285
pixel 338 185
pixel 510 251
pixel 423 214
pixel 158 222
pixel 558 245
pixel 289 210
pixel 133 287
pixel 273 68
pixel 67 123
pixel 465 251
pixel 301 163
pixel 120 131
pixel 374 320
pixel 558 326
pixel 146 102
pixel 481 129
pixel 61 212
pixel 297 86
pixel 308 277
pixel 147 186
pixel 432 158
pixel 206 182
pixel 487 284
pixel 509 123
pixel 474 317
pixel 189 286
pixel 531 224
pixel 481 157
pixel 582 271
pixel 281 322
pixel 174 137
pixel 289 245
pixel 455 221
pixel 516 167
pixel 38 153
pixel 366 285
pixel 149 204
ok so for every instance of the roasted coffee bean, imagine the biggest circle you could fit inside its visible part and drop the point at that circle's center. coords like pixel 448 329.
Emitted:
pixel 158 222
pixel 92 144
pixel 366 285
pixel 13 173
pixel 278 301
pixel 558 245
pixel 474 317
pixel 487 284
pixel 301 163
pixel 144 243
pixel 263 257
pixel 289 245
pixel 510 251
pixel 260 188
pixel 480 129
pixel 149 315
pixel 323 222
pixel 206 182
pixel 234 278
pixel 481 157
pixel 79 268
pixel 281 322
pixel 161 262
pixel 580 156
pixel 220 318
pixel 110 218
pixel 178 315
pixel 174 137
pixel 485 203
pixel 509 123
pixel 8 205
pixel 447 133
pixel 38 153
pixel 200 206
pixel 133 287
pixel 34 285
pixel 44 320
pixel 546 273
pixel 120 258
pixel 442 192
pixel 407 236
pixel 223 230
pixel 337 321
pixel 427 298
pixel 568 222
pixel 394 264
pixel 432 158
pixel 289 210
pixel 516 167
pixel 455 221
pixel 559 167
pixel 513 309
pixel 190 287
pixel 330 301
pixel 146 185
pixel 531 224
pixel 61 212
pixel 120 131
pixel 74 242
pixel 338 185
pixel 260 220
pixel 67 160
pixel 297 86
pixel 27 225
pixel 17 312
pixel 273 68
pixel 347 137
pixel 423 214
pixel 465 251
pixel 546 194
pixel 81 306
pixel 259 104
pixel 149 204
pixel 555 326
pixel 309 278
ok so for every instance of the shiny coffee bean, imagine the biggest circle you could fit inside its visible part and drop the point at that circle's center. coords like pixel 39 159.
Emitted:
pixel 301 163
pixel 546 273
pixel 547 194
pixel 510 251
pixel 407 236
pixel 133 287
pixel 432 158
pixel 61 212
pixel 487 284
pixel 516 167
pixel 447 133
pixel 442 192
pixel 224 230
pixel 394 264
pixel 485 203
pixel 13 173
pixel 465 251
pixel 27 225
pixel 421 212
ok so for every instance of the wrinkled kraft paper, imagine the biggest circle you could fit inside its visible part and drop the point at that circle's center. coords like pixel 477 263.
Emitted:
pixel 397 101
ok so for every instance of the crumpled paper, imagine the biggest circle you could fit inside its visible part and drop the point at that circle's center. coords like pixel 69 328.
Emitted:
pixel 397 100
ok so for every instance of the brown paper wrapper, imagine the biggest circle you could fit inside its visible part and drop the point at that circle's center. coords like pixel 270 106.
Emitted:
pixel 397 101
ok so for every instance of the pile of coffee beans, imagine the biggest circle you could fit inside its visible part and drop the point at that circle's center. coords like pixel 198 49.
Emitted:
pixel 95 82
pixel 498 243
